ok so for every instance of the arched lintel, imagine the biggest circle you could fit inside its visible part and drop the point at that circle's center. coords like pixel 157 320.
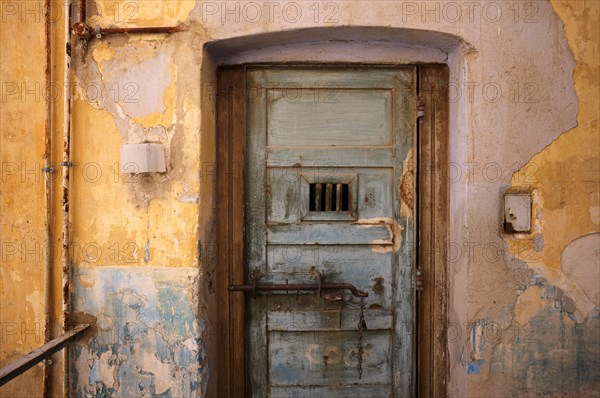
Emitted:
pixel 349 44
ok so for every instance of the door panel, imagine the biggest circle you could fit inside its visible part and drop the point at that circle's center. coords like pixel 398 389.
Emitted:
pixel 356 264
pixel 321 157
pixel 374 391
pixel 319 320
pixel 326 154
pixel 286 183
pixel 309 117
pixel 328 234
pixel 312 357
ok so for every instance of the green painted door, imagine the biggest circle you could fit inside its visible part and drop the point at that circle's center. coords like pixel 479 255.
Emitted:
pixel 329 192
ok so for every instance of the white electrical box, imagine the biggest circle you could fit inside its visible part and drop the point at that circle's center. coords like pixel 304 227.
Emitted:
pixel 142 158
pixel 517 212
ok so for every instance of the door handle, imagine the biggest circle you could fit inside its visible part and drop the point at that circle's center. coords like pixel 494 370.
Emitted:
pixel 318 287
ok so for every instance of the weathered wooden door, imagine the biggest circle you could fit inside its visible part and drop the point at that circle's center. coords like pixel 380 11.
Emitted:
pixel 330 182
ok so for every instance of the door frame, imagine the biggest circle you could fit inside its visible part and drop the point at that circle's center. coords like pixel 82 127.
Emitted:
pixel 432 226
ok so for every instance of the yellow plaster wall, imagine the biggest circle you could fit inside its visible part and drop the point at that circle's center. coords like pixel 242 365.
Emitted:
pixel 22 124
pixel 149 219
pixel 143 13
pixel 112 222
pixel 558 305
pixel 565 176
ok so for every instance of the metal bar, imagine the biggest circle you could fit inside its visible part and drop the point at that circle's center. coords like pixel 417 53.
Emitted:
pixel 150 29
pixel 66 178
pixel 82 10
pixel 48 187
pixel 83 31
pixel 29 360
pixel 318 191
pixel 299 286
pixel 338 197
pixel 328 190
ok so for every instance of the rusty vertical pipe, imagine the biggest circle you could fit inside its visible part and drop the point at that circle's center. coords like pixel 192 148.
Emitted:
pixel 47 172
pixel 66 164
pixel 82 11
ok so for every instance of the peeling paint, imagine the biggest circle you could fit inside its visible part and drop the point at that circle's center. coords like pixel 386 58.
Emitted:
pixel 579 263
pixel 564 177
pixel 188 199
pixel 87 280
pixel 15 277
pixel 406 186
pixel 147 341
pixel 528 304
pixel 395 232
pixel 538 242
pixel 474 367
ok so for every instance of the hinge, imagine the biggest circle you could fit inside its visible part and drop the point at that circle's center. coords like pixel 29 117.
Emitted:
pixel 419 281
pixel 420 106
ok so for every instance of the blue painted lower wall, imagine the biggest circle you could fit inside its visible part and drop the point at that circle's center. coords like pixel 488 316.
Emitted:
pixel 147 340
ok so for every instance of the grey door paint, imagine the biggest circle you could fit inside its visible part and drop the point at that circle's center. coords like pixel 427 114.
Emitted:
pixel 320 125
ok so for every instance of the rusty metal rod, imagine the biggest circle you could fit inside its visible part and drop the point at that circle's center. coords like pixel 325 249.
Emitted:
pixel 29 360
pixel 47 172
pixel 66 176
pixel 85 32
pixel 299 286
pixel 148 29
pixel 82 10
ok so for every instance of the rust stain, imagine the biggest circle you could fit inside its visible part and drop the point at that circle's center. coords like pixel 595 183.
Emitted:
pixel 406 189
pixel 82 10
pixel 66 300
pixel 394 228
pixel 406 186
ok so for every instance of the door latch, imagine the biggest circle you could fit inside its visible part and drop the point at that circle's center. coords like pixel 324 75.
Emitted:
pixel 296 287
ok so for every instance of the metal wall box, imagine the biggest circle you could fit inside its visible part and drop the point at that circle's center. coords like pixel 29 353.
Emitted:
pixel 517 212
pixel 142 158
